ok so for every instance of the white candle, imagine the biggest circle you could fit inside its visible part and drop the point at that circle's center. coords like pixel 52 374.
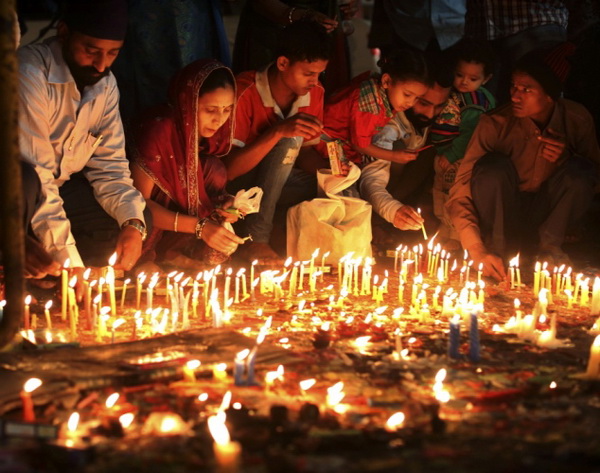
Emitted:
pixel 64 278
pixel 227 453
pixel 593 367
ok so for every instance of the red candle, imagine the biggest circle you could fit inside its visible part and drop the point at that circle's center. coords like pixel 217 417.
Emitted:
pixel 30 385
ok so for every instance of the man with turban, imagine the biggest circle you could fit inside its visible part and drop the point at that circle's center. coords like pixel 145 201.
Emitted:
pixel 71 131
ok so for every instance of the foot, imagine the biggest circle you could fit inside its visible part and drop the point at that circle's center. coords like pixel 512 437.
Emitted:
pixel 261 252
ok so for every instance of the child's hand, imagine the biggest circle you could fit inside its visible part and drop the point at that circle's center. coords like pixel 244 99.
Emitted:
pixel 403 156
pixel 443 163
pixel 407 218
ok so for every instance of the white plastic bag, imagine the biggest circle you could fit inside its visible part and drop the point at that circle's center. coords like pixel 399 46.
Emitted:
pixel 334 224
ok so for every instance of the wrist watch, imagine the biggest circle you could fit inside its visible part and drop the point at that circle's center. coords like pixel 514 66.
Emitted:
pixel 138 225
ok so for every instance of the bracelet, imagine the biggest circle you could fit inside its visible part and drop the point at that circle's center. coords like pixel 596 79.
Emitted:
pixel 175 223
pixel 199 227
pixel 290 13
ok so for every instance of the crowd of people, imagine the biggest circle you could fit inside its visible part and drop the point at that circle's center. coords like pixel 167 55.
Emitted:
pixel 160 188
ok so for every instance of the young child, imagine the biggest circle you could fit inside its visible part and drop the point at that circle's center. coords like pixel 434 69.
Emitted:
pixel 473 63
pixel 357 114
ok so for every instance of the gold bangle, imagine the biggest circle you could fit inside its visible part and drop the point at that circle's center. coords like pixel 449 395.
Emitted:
pixel 175 223
pixel 199 227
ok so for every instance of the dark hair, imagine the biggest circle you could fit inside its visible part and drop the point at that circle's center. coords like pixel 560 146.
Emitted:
pixel 219 78
pixel 405 65
pixel 304 40
pixel 477 51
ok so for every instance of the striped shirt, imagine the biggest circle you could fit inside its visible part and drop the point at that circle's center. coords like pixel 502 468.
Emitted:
pixel 494 19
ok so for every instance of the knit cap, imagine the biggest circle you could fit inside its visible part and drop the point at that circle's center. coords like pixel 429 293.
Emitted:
pixel 549 67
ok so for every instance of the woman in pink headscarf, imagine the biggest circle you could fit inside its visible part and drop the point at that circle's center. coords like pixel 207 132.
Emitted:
pixel 178 170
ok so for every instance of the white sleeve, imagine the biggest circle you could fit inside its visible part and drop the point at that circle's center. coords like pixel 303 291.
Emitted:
pixel 374 180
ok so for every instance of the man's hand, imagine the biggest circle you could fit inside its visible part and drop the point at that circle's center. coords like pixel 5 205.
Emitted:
pixel 407 218
pixel 302 124
pixel 38 263
pixel 79 286
pixel 493 266
pixel 404 156
pixel 553 146
pixel 129 248
pixel 219 238
pixel 323 20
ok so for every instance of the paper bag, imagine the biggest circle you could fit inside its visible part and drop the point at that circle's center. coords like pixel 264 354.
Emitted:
pixel 334 223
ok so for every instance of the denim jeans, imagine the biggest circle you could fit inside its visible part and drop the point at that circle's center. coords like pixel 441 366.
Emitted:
pixel 271 175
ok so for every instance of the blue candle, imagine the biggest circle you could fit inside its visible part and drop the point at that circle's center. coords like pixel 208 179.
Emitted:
pixel 474 339
pixel 251 363
pixel 454 337
pixel 239 367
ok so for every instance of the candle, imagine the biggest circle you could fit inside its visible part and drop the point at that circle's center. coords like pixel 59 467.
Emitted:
pixel 227 453
pixel 64 278
pixel 116 324
pixel 220 371
pixel 323 259
pixel 239 367
pixel 26 314
pixel 226 290
pixel 30 385
pixel 73 310
pixel 293 279
pixel 47 314
pixel 110 281
pixel 474 339
pixel 454 337
pixel 189 370
pixel 422 226
pixel 593 367
pixel 536 278
pixel 254 263
pixel 123 292
pixel 595 306
pixel 150 293
pixel 138 290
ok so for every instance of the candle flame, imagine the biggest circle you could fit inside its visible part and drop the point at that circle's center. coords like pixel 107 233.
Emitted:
pixel 514 262
pixel 395 421
pixel 113 259
pixel 117 323
pixel 307 384
pixel 112 400
pixel 517 303
pixel 440 376
pixel 218 430
pixel 169 424
pixel 73 422
pixel 203 397
pixel 225 402
pixel 126 419
pixel 32 384
pixel 553 385
pixel 242 355
pixel 28 299
pixel 335 393
pixel 193 364
pixel 362 342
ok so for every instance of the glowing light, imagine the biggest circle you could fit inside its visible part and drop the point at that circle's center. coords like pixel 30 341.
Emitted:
pixel 32 384
pixel 396 420
pixel 112 400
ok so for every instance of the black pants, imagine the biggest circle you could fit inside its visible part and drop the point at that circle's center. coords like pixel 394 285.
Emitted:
pixel 95 231
pixel 508 217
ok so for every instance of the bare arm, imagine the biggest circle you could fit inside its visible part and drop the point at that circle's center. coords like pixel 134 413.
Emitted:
pixel 394 156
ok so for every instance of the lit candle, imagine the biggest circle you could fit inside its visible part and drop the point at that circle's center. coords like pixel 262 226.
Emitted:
pixel 64 278
pixel 30 385
pixel 110 281
pixel 239 367
pixel 189 370
pixel 226 290
pixel 138 290
pixel 254 263
pixel 423 226
pixel 26 314
pixel 47 314
pixel 595 306
pixel 323 260
pixel 593 367
pixel 73 310
pixel 116 324
pixel 227 453
pixel 536 278
pixel 454 337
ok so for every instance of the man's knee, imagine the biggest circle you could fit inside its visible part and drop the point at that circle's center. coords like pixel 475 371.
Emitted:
pixel 494 171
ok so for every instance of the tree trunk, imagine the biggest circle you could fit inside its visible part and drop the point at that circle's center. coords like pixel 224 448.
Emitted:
pixel 11 231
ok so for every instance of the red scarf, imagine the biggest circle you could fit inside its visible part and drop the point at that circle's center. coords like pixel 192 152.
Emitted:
pixel 168 142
